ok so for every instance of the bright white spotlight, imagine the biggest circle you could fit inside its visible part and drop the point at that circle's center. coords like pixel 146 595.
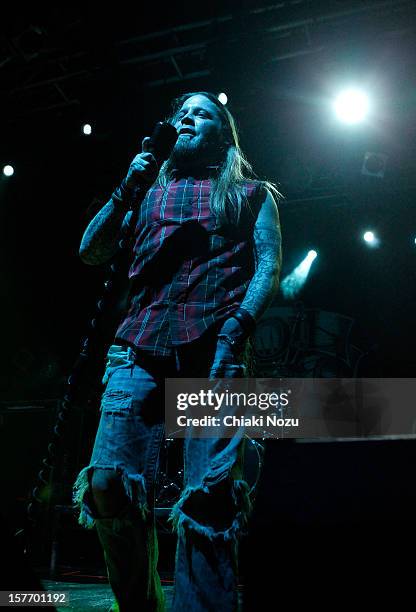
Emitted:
pixel 293 283
pixel 351 106
pixel 86 129
pixel 223 98
pixel 8 170
pixel 371 239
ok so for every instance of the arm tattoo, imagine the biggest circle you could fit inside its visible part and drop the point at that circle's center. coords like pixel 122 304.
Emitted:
pixel 267 257
pixel 101 238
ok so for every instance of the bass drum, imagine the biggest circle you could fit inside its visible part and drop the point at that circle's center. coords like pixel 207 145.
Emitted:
pixel 170 480
pixel 285 336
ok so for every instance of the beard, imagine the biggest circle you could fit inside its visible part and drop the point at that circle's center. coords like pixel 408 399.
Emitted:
pixel 193 153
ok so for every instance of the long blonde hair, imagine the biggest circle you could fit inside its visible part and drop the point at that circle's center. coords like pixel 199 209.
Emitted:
pixel 228 194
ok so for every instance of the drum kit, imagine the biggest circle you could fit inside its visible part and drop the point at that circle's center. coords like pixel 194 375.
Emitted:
pixel 299 342
pixel 290 342
pixel 170 481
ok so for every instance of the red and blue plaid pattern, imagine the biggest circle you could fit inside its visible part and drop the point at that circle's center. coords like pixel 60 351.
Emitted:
pixel 189 272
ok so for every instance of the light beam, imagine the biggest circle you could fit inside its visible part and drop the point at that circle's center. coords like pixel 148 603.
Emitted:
pixel 293 283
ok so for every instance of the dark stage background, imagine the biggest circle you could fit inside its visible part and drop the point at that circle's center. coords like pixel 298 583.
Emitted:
pixel 287 130
pixel 281 65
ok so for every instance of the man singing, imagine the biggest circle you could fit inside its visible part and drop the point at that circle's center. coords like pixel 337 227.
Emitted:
pixel 206 250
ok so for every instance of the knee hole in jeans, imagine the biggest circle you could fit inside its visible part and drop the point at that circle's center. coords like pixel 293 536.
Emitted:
pixel 107 492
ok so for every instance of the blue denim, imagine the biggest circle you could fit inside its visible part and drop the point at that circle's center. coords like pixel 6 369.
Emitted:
pixel 214 504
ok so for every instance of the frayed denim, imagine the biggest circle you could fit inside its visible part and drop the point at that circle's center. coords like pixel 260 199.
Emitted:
pixel 212 510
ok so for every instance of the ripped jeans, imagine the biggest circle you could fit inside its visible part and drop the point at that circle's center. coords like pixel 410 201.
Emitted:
pixel 214 504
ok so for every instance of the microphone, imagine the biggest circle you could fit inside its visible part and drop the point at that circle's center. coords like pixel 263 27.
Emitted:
pixel 162 141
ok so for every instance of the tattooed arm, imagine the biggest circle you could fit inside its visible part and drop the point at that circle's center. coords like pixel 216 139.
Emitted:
pixel 102 236
pixel 265 281
pixel 262 287
pixel 268 259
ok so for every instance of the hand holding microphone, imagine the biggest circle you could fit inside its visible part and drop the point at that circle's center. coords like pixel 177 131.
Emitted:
pixel 145 166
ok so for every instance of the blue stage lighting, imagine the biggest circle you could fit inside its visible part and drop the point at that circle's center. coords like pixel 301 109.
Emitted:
pixel 8 170
pixel 293 283
pixel 351 106
pixel 223 98
pixel 369 237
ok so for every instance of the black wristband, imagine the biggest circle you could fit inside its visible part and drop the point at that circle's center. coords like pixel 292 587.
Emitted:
pixel 124 195
pixel 227 338
pixel 246 320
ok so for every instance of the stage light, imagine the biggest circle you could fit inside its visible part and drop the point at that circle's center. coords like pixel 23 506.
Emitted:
pixel 351 106
pixel 371 239
pixel 86 129
pixel 293 283
pixel 223 98
pixel 8 170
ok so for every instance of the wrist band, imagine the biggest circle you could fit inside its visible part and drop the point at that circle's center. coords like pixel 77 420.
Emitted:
pixel 231 341
pixel 124 195
pixel 246 320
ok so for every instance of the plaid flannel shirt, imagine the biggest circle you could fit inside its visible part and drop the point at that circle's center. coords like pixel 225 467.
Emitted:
pixel 188 271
